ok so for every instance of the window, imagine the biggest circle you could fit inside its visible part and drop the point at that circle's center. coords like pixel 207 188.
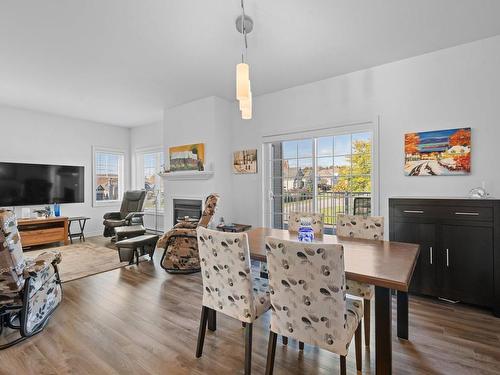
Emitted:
pixel 149 165
pixel 108 179
pixel 329 174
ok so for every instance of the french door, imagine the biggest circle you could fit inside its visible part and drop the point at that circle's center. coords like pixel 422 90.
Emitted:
pixel 329 174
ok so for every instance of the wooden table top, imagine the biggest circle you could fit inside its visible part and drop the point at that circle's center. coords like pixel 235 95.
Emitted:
pixel 387 264
pixel 38 220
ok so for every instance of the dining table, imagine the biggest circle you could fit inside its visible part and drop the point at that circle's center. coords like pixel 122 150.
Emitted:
pixel 388 265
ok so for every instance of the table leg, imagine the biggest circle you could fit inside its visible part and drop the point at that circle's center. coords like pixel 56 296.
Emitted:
pixel 69 232
pixel 402 315
pixel 383 328
pixel 82 228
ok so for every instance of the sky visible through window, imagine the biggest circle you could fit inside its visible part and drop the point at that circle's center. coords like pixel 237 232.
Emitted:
pixel 107 163
pixel 340 145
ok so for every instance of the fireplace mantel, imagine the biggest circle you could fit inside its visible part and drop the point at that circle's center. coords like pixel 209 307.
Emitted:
pixel 187 175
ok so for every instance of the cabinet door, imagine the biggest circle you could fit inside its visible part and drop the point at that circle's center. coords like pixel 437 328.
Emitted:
pixel 424 277
pixel 467 256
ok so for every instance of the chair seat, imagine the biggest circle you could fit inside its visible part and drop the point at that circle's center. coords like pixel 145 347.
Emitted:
pixel 10 300
pixel 354 315
pixel 261 300
pixel 357 289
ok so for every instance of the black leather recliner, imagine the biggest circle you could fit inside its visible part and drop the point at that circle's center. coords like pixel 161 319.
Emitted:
pixel 131 212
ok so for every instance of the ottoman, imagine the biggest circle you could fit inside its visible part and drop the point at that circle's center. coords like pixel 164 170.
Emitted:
pixel 136 246
pixel 129 231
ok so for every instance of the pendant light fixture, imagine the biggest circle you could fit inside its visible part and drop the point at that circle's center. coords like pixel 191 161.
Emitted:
pixel 244 25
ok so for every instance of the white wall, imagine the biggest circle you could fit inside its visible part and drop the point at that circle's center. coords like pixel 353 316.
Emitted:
pixel 450 88
pixel 36 137
pixel 205 121
pixel 144 137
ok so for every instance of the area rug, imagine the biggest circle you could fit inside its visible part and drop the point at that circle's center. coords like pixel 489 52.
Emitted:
pixel 83 259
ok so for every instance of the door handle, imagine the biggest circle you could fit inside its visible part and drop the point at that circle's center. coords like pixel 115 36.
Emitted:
pixel 430 253
pixel 447 257
pixel 413 211
pixel 467 213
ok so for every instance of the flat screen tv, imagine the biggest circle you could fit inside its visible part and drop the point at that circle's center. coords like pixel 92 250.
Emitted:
pixel 38 184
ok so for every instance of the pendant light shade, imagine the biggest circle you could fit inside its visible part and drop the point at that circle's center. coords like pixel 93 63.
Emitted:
pixel 246 112
pixel 242 81
pixel 247 102
pixel 244 25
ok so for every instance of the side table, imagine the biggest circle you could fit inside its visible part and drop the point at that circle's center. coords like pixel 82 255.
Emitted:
pixel 82 220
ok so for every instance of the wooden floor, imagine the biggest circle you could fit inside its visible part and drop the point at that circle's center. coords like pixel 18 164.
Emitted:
pixel 141 320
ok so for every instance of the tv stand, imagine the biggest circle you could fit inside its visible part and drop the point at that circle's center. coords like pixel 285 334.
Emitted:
pixel 43 231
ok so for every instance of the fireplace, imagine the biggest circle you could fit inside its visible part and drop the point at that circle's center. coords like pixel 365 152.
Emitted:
pixel 187 207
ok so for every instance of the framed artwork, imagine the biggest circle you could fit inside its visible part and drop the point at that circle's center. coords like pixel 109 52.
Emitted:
pixel 438 153
pixel 245 161
pixel 187 157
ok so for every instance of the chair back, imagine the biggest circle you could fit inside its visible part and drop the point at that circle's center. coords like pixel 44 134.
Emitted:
pixel 209 210
pixel 362 206
pixel 12 261
pixel 133 201
pixel 308 292
pixel 363 227
pixel 316 221
pixel 226 273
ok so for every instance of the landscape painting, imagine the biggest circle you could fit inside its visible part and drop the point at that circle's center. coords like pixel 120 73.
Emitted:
pixel 187 157
pixel 245 161
pixel 438 153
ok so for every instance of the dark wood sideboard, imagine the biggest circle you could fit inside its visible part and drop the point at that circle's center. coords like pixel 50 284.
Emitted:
pixel 459 247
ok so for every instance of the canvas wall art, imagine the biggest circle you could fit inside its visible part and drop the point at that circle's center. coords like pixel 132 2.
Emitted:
pixel 438 153
pixel 187 157
pixel 245 161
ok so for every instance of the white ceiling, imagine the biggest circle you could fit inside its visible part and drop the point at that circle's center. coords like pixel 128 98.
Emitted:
pixel 123 61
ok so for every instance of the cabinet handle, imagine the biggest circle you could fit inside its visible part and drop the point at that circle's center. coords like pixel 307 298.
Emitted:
pixel 467 213
pixel 413 211
pixel 430 253
pixel 447 257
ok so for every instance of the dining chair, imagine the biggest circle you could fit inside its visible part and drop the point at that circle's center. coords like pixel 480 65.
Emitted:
pixel 368 228
pixel 228 284
pixel 308 298
pixel 317 222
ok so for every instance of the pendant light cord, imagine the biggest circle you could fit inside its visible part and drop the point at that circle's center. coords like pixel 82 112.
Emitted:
pixel 244 55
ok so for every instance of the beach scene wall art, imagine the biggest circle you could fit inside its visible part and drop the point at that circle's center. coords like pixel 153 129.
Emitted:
pixel 187 157
pixel 438 153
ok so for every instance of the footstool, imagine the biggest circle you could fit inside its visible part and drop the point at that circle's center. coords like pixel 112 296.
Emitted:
pixel 136 246
pixel 129 231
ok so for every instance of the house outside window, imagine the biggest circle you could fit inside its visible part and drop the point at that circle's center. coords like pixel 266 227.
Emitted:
pixel 108 176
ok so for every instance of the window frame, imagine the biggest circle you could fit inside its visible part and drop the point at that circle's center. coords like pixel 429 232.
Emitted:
pixel 121 176
pixel 372 126
pixel 139 173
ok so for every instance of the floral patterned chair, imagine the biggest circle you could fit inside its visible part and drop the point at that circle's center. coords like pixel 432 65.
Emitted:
pixel 368 228
pixel 316 221
pixel 181 243
pixel 317 224
pixel 30 289
pixel 308 298
pixel 229 286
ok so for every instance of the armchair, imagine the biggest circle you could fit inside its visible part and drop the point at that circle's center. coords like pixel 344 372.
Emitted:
pixel 181 242
pixel 131 212
pixel 30 289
